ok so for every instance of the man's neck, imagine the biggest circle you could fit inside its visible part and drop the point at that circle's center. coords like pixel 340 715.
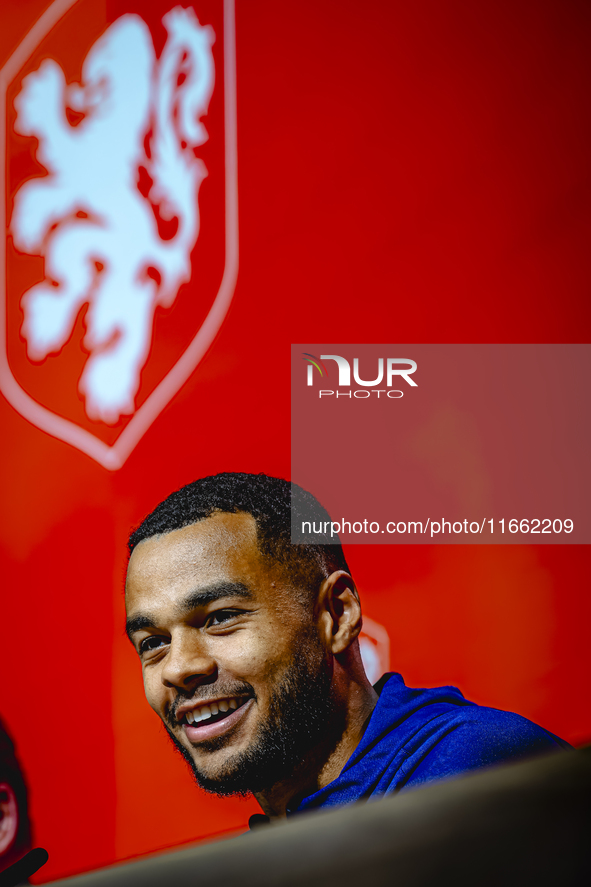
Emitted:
pixel 326 761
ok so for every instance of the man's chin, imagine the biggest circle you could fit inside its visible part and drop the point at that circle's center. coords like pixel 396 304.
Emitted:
pixel 227 781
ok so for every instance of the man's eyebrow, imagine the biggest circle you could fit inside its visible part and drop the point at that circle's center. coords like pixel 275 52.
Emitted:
pixel 210 593
pixel 137 623
pixel 195 599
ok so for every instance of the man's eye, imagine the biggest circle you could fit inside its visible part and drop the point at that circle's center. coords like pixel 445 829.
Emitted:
pixel 150 643
pixel 220 616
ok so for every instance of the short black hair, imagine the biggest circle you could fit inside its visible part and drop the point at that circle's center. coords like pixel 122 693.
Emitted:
pixel 272 502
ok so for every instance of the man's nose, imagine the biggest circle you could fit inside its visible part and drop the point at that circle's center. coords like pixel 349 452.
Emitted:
pixel 188 661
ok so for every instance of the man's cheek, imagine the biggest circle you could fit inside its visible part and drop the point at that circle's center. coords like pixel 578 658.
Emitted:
pixel 253 665
pixel 240 656
pixel 254 652
pixel 152 696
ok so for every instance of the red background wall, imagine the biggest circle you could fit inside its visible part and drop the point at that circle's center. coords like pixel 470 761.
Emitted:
pixel 407 172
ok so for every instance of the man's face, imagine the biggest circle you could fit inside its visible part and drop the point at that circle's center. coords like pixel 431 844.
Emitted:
pixel 232 661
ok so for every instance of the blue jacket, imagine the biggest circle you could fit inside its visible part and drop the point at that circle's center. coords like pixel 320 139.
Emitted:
pixel 415 736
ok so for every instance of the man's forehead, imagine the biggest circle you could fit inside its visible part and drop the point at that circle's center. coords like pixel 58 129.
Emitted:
pixel 221 546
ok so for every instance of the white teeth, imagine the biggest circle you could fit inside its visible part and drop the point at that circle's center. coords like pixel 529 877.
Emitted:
pixel 207 711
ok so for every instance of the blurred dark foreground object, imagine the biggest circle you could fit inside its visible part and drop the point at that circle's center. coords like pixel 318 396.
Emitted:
pixel 520 824
pixel 19 872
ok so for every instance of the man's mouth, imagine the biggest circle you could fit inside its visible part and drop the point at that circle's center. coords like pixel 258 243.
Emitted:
pixel 205 713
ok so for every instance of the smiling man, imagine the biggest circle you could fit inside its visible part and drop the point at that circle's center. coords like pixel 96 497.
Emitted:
pixel 250 657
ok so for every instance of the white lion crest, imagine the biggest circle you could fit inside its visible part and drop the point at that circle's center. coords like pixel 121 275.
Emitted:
pixel 98 234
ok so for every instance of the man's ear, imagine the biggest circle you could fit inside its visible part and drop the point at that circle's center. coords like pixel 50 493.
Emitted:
pixel 338 612
pixel 8 817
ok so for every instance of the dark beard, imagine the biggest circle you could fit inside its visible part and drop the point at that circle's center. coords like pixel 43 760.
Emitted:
pixel 301 725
